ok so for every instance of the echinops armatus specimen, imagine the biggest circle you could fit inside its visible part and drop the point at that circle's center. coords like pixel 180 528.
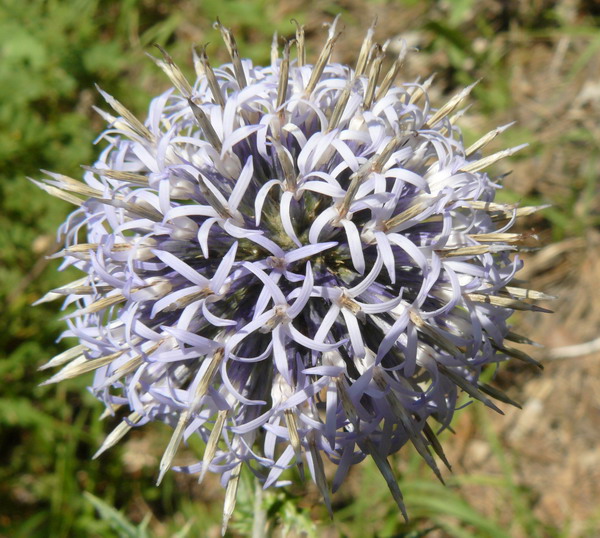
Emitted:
pixel 292 262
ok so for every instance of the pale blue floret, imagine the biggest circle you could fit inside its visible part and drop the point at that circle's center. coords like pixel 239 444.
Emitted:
pixel 290 288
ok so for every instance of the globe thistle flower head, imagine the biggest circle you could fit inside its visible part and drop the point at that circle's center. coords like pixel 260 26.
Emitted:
pixel 295 263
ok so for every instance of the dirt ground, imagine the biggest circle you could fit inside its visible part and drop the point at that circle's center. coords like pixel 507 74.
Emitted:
pixel 553 440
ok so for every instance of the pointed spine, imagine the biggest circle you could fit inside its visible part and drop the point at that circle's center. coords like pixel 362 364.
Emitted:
pixel 232 49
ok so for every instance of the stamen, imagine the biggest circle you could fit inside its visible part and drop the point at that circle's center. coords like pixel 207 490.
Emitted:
pixel 286 163
pixel 374 70
pixel 517 354
pixel 204 123
pixel 451 105
pixel 127 177
pixel 436 445
pixel 212 443
pixel 340 105
pixel 504 211
pixel 319 471
pixel 472 391
pixel 508 302
pixel 231 46
pixel 82 365
pixel 474 250
pixel 365 50
pixel 291 423
pixel 356 181
pixel 213 84
pixel 118 433
pixel 323 57
pixel 173 72
pixel 300 43
pixel 54 191
pixel 345 301
pixel 72 185
pixel 188 412
pixel 142 209
pixel 524 293
pixel 374 164
pixel 64 357
pixel 401 218
pixel 419 91
pixel 497 394
pixel 386 471
pixel 274 49
pixel 498 237
pixel 230 496
pixel 486 139
pixel 475 166
pixel 437 337
pixel 391 75
pixel 98 305
pixel 284 73
pixel 212 199
pixel 136 125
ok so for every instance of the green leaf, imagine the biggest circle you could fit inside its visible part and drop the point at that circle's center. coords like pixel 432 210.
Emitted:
pixel 116 519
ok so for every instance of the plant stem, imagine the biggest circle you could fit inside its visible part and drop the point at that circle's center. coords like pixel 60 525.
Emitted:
pixel 260 515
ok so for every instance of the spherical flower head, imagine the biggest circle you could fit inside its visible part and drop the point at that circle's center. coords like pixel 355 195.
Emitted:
pixel 292 262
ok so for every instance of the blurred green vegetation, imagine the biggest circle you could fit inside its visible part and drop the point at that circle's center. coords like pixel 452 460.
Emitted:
pixel 51 54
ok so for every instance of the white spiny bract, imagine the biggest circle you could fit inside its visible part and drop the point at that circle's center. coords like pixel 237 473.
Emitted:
pixel 291 262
